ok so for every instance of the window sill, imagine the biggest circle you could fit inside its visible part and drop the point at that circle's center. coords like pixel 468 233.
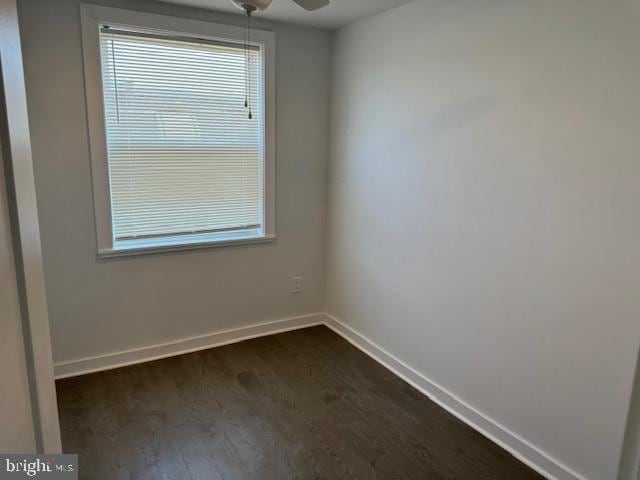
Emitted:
pixel 149 249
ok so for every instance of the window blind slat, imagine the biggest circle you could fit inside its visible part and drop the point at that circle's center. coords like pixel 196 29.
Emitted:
pixel 183 155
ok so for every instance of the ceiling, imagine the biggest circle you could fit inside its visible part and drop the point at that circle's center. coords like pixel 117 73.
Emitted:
pixel 337 14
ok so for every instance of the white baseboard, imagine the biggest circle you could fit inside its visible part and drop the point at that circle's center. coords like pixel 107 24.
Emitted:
pixel 517 446
pixel 187 345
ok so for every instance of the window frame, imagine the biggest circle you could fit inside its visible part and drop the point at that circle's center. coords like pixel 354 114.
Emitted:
pixel 92 16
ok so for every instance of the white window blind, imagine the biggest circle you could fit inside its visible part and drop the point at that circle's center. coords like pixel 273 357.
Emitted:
pixel 185 160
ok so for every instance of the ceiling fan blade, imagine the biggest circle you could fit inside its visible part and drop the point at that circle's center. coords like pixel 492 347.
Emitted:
pixel 312 4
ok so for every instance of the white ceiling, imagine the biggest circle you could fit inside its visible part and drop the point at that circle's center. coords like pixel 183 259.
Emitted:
pixel 337 14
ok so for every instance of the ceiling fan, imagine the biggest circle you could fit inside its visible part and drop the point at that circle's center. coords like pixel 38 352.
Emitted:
pixel 250 6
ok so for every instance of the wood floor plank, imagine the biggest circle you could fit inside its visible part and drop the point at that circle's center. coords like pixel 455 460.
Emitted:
pixel 134 453
pixel 360 407
pixel 257 445
pixel 298 405
pixel 276 405
pixel 456 443
pixel 388 389
pixel 320 391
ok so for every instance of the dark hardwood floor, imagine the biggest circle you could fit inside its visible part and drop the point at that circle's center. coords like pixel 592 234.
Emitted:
pixel 304 404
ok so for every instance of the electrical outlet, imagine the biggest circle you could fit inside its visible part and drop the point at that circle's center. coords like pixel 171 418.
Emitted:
pixel 296 284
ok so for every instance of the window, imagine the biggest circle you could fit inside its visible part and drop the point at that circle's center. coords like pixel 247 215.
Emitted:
pixel 177 162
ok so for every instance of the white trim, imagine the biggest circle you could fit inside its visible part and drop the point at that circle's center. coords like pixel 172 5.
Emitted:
pixel 91 18
pixel 520 448
pixel 110 361
pixel 499 434
pixel 26 234
pixel 128 252
pixel 629 468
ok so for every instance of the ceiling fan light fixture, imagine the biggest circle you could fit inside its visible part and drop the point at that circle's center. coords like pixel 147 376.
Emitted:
pixel 251 5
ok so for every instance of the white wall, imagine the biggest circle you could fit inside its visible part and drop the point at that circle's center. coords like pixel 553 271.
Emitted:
pixel 483 209
pixel 99 307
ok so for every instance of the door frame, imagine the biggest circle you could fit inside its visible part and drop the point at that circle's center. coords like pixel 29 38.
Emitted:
pixel 630 459
pixel 27 251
